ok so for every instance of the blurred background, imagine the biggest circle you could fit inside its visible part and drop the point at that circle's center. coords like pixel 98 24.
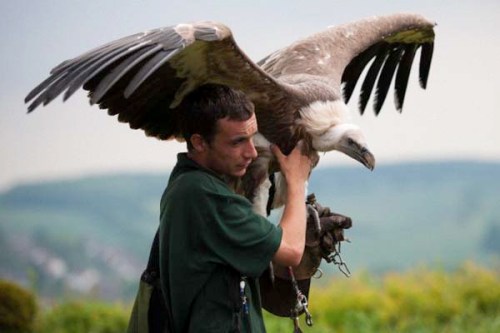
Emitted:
pixel 79 192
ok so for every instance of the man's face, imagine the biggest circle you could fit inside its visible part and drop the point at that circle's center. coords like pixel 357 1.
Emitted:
pixel 231 150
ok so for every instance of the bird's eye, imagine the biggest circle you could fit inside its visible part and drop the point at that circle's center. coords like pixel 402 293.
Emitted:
pixel 350 142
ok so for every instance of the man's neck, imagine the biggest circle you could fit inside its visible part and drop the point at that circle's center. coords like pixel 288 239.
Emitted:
pixel 233 182
pixel 193 156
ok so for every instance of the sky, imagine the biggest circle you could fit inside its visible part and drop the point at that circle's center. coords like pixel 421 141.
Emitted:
pixel 457 117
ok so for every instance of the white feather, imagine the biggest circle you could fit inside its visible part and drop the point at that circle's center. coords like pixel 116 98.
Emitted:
pixel 186 31
pixel 320 116
pixel 329 139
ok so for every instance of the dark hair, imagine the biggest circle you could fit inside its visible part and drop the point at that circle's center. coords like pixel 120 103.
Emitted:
pixel 201 109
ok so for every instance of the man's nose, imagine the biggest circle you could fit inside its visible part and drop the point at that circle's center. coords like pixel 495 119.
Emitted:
pixel 251 151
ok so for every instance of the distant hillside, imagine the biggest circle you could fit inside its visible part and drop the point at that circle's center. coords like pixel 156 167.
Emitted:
pixel 93 234
pixel 441 213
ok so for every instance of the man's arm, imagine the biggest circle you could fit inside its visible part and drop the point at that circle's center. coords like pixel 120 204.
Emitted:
pixel 295 168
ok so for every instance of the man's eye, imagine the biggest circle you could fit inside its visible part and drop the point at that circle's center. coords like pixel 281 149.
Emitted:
pixel 238 141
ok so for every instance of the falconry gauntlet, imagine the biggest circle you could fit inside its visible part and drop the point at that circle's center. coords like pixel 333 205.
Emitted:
pixel 325 229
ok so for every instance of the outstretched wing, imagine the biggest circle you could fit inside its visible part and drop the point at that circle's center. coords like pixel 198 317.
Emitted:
pixel 142 78
pixel 341 53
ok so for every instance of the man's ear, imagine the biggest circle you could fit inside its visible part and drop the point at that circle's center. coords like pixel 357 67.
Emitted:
pixel 198 142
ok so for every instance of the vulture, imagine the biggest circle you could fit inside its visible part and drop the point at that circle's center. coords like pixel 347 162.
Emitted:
pixel 300 92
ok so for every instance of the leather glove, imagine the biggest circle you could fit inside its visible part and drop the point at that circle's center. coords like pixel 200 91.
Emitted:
pixel 331 228
pixel 324 230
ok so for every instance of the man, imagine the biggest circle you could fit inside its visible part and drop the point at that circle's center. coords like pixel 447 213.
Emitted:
pixel 213 247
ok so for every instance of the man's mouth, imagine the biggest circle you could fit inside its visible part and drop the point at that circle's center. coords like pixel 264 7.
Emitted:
pixel 244 165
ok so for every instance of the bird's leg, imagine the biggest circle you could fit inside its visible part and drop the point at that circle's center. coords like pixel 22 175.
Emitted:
pixel 280 190
pixel 256 184
pixel 261 197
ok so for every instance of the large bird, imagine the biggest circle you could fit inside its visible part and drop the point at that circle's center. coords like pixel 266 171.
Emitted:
pixel 299 92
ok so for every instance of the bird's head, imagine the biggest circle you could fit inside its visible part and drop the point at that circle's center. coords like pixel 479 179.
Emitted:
pixel 326 124
pixel 348 139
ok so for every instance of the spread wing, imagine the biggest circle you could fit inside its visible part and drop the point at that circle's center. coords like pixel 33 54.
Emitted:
pixel 341 54
pixel 142 78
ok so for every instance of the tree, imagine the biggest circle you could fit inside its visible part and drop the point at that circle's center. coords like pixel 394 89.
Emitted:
pixel 18 308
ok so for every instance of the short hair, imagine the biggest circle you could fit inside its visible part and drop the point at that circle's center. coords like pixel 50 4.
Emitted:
pixel 201 109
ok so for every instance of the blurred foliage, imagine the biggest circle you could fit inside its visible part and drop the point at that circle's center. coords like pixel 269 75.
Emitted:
pixel 421 300
pixel 17 308
pixel 85 317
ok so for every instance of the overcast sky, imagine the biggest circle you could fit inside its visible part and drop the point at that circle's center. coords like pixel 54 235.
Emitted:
pixel 457 117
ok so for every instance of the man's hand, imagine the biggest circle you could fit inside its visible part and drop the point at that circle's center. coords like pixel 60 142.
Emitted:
pixel 295 167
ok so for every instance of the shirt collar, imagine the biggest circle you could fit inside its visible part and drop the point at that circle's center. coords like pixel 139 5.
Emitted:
pixel 184 163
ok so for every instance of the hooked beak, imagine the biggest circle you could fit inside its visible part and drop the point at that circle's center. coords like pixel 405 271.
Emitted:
pixel 367 159
pixel 360 154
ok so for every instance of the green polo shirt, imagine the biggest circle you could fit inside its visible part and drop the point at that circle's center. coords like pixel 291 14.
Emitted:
pixel 209 238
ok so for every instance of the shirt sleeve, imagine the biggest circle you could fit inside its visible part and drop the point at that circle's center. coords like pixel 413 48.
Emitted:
pixel 236 235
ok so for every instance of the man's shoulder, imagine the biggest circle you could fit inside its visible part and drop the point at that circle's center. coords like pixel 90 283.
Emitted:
pixel 198 181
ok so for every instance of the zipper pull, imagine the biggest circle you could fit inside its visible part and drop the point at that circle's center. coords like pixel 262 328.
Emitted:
pixel 244 301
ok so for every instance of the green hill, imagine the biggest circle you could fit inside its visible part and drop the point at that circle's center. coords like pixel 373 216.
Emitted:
pixel 93 234
pixel 417 213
